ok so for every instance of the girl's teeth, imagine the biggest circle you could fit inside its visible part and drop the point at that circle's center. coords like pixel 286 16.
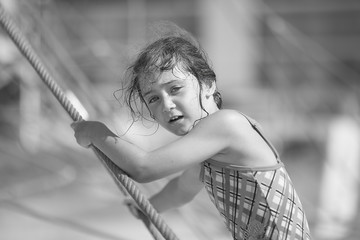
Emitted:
pixel 174 118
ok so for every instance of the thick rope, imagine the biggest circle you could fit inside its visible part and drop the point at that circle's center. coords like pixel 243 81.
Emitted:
pixel 120 178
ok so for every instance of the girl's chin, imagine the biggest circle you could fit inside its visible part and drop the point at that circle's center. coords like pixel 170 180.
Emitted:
pixel 181 131
pixel 178 132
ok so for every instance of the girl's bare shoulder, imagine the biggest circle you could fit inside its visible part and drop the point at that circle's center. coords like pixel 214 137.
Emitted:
pixel 227 121
pixel 228 118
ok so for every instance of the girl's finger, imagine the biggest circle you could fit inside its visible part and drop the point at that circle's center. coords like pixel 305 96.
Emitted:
pixel 74 124
pixel 84 143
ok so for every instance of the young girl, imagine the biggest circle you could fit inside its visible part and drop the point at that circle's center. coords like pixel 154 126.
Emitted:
pixel 221 149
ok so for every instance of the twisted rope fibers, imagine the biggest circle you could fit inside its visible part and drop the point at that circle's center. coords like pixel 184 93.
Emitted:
pixel 119 176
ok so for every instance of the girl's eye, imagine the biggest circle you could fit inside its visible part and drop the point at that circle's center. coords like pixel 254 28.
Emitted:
pixel 153 99
pixel 175 89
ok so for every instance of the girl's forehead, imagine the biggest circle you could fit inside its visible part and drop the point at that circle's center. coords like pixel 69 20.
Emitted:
pixel 149 81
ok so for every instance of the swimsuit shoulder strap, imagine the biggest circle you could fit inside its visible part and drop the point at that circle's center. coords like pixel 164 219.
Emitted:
pixel 256 127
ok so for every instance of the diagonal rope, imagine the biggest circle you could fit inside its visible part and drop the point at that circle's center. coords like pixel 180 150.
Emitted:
pixel 119 176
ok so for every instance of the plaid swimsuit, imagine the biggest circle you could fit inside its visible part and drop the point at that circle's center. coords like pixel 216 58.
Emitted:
pixel 256 203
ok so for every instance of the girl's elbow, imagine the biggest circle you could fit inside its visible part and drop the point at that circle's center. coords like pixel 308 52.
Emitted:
pixel 145 171
pixel 186 198
pixel 140 174
pixel 140 177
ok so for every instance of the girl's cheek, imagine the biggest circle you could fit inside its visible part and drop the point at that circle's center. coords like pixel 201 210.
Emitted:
pixel 154 113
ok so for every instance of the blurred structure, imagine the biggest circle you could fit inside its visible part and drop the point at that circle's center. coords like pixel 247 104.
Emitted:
pixel 287 64
pixel 339 192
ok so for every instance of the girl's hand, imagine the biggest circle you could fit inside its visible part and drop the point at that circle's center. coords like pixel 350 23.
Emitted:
pixel 88 131
pixel 135 210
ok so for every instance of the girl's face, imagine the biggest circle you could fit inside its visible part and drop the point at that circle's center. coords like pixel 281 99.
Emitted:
pixel 173 100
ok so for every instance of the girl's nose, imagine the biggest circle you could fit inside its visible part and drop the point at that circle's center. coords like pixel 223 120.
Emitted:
pixel 168 104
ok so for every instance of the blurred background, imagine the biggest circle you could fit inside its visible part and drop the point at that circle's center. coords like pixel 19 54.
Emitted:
pixel 294 66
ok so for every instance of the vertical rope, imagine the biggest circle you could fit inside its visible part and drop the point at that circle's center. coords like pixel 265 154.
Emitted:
pixel 119 176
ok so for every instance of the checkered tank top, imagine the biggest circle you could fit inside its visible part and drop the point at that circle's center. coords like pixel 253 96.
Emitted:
pixel 256 203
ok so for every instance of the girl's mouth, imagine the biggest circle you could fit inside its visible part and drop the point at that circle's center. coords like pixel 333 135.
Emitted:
pixel 175 118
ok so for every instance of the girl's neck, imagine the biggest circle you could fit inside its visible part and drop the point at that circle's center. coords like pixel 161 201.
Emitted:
pixel 212 108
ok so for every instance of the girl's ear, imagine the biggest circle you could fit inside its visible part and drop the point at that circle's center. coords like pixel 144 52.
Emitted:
pixel 210 90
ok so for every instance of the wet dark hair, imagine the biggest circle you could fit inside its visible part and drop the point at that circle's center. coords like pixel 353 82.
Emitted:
pixel 164 55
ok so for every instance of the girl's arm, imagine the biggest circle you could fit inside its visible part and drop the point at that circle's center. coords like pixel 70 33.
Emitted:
pixel 123 153
pixel 209 137
pixel 178 191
